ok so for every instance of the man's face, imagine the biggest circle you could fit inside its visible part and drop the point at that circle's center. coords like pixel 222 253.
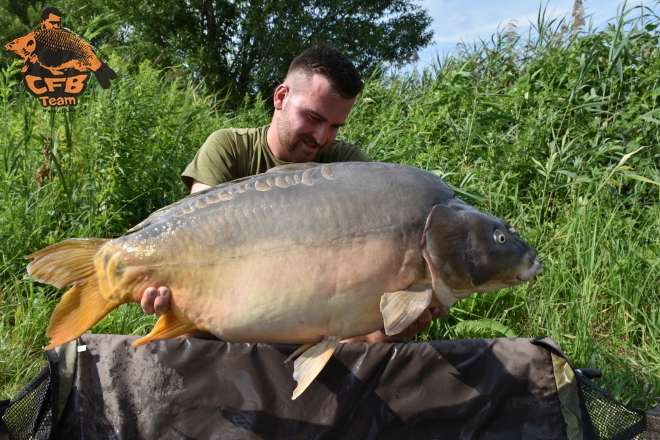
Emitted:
pixel 309 115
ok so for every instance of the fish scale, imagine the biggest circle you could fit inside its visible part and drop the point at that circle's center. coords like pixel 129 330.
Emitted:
pixel 307 254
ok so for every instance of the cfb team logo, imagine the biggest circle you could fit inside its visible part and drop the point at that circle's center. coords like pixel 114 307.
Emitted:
pixel 56 62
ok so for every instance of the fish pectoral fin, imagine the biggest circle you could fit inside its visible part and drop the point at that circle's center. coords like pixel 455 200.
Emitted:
pixel 311 362
pixel 402 308
pixel 168 326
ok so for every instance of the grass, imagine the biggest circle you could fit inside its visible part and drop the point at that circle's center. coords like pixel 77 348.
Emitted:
pixel 556 131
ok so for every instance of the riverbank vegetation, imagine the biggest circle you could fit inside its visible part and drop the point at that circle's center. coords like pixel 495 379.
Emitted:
pixel 556 131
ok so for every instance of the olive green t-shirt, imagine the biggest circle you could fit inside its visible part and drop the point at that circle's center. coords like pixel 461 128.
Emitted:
pixel 234 153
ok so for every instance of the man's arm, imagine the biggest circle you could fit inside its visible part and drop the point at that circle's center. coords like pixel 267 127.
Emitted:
pixel 198 186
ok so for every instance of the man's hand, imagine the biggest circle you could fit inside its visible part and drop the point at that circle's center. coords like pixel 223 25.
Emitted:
pixel 421 325
pixel 157 300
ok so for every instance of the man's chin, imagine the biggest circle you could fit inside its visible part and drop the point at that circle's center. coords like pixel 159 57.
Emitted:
pixel 305 154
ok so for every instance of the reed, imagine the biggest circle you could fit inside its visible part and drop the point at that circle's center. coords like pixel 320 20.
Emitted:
pixel 555 131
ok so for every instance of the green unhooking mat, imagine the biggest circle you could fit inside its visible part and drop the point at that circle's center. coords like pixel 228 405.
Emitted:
pixel 101 387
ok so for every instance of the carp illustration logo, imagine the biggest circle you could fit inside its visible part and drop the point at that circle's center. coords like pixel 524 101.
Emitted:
pixel 56 62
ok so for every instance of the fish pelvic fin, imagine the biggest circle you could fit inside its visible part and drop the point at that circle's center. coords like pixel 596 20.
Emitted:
pixel 81 307
pixel 65 263
pixel 402 308
pixel 311 362
pixel 169 325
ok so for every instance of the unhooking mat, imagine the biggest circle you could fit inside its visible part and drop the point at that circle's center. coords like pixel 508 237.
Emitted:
pixel 100 387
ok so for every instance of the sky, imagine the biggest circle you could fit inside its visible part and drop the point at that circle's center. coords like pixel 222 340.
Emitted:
pixel 469 20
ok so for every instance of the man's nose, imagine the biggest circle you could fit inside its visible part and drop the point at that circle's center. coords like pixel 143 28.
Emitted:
pixel 321 134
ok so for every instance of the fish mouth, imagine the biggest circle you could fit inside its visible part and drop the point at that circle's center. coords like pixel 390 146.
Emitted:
pixel 529 273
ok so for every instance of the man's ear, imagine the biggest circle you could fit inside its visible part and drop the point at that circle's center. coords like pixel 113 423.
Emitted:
pixel 281 92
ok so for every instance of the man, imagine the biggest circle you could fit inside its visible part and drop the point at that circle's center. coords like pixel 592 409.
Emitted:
pixel 311 105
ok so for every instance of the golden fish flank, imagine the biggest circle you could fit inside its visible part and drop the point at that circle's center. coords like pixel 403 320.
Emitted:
pixel 144 247
pixel 386 242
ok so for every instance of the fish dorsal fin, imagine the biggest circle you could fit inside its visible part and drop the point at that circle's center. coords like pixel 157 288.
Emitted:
pixel 311 362
pixel 293 167
pixel 168 326
pixel 402 308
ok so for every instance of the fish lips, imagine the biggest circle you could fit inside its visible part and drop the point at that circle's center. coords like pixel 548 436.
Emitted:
pixel 528 273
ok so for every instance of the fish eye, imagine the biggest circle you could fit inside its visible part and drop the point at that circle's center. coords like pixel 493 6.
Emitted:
pixel 499 236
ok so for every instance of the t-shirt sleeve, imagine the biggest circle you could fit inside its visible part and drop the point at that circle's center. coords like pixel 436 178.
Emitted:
pixel 214 163
pixel 341 151
pixel 356 154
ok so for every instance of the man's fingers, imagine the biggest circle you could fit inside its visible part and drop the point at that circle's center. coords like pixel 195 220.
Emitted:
pixel 147 301
pixel 439 312
pixel 162 301
pixel 423 322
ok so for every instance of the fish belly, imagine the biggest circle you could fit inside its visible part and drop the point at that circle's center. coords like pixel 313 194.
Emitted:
pixel 297 295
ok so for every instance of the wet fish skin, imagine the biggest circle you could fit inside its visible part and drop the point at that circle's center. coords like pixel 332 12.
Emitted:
pixel 299 255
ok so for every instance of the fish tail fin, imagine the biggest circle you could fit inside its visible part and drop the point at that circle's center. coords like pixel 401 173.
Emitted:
pixel 72 262
pixel 81 307
pixel 65 263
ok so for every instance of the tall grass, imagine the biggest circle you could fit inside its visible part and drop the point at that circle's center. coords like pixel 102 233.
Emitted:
pixel 556 131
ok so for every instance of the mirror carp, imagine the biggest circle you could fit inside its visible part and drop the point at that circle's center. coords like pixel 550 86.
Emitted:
pixel 303 254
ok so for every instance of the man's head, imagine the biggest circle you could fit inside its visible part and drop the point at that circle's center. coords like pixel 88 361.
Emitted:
pixel 51 18
pixel 313 102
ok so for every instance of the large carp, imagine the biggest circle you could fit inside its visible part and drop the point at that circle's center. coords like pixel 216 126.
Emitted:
pixel 308 254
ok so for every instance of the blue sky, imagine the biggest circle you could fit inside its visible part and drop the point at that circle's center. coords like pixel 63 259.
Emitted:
pixel 469 20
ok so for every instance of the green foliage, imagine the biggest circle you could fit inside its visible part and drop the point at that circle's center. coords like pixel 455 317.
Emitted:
pixel 245 47
pixel 239 47
pixel 558 134
pixel 93 172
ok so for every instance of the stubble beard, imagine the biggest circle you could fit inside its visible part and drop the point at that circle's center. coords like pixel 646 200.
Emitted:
pixel 291 143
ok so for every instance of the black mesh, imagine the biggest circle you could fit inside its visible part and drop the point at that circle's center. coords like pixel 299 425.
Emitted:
pixel 609 418
pixel 28 415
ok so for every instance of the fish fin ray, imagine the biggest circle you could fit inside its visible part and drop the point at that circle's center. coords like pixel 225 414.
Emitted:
pixel 402 308
pixel 168 326
pixel 311 362
pixel 66 262
pixel 299 351
pixel 81 307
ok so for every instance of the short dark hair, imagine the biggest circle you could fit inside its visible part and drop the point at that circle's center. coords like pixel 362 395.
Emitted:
pixel 46 13
pixel 329 62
